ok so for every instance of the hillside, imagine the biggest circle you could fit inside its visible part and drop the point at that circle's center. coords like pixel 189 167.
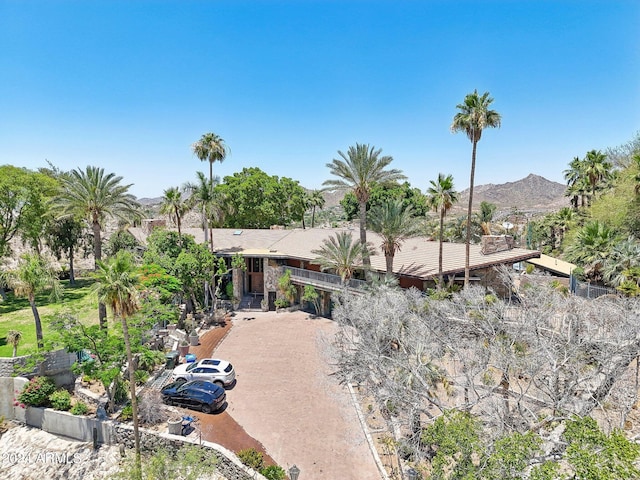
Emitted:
pixel 530 194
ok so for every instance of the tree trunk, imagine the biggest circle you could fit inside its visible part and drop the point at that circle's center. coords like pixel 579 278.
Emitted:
pixel 313 216
pixel 134 400
pixel 72 275
pixel 468 240
pixel 97 254
pixel 36 317
pixel 440 248
pixel 389 262
pixel 366 261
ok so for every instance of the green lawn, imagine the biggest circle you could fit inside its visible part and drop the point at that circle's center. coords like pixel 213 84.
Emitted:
pixel 15 314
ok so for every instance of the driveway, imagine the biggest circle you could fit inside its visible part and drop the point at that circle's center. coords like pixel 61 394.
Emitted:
pixel 286 397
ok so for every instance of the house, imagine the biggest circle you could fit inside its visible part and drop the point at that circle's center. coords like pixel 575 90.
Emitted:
pixel 267 252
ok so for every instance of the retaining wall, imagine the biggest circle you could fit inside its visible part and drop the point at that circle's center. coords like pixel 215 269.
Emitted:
pixel 109 432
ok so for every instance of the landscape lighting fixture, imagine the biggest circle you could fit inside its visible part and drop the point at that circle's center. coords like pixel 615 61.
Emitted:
pixel 294 472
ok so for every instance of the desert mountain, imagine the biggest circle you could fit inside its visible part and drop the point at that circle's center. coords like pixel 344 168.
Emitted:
pixel 530 194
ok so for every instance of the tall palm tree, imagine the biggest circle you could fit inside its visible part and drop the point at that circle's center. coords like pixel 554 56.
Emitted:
pixel 316 200
pixel 210 148
pixel 204 197
pixel 358 170
pixel 342 254
pixel 94 196
pixel 442 196
pixel 473 117
pixel 175 205
pixel 116 286
pixel 574 176
pixel 394 224
pixel 596 169
pixel 34 275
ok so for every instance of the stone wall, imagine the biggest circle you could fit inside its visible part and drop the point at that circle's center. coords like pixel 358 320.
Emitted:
pixel 495 243
pixel 228 464
pixel 109 432
pixel 149 224
pixel 56 364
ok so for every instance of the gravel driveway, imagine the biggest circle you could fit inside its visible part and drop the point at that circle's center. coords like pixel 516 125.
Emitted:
pixel 286 397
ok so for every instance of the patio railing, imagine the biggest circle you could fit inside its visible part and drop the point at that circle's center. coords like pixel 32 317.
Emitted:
pixel 326 280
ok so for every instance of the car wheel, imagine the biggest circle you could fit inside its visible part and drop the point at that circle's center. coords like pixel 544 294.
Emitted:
pixel 181 380
pixel 206 408
pixel 219 383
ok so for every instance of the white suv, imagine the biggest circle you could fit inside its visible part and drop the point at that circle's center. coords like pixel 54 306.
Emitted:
pixel 214 370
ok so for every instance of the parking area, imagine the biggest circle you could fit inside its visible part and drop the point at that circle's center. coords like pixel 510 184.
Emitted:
pixel 286 397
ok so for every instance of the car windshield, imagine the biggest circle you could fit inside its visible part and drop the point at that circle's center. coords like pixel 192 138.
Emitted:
pixel 191 366
pixel 229 368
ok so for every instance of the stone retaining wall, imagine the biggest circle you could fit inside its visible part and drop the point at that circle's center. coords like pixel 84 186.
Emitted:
pixel 228 464
pixel 109 432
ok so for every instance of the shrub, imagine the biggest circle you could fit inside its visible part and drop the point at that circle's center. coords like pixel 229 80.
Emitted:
pixel 127 413
pixel 148 359
pixel 60 400
pixel 36 392
pixel 141 377
pixel 281 303
pixel 150 408
pixel 251 458
pixel 79 408
pixel 273 472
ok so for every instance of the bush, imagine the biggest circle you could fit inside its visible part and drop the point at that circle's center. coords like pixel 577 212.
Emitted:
pixel 36 392
pixel 150 408
pixel 141 377
pixel 281 303
pixel 251 458
pixel 127 413
pixel 273 472
pixel 79 408
pixel 60 400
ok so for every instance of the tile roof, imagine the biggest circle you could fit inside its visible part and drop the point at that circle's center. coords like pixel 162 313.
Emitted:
pixel 417 257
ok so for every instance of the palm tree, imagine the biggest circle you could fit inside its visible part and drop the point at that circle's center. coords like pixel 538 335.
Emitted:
pixel 316 200
pixel 394 224
pixel 204 197
pixel 116 287
pixel 485 217
pixel 592 246
pixel 342 254
pixel 94 196
pixel 175 205
pixel 596 169
pixel 442 196
pixel 358 171
pixel 34 275
pixel 574 177
pixel 13 338
pixel 624 257
pixel 210 148
pixel 474 116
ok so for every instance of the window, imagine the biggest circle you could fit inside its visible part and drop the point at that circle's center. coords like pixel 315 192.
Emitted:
pixel 255 265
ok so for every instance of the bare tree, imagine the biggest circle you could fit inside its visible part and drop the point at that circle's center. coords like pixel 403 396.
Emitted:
pixel 520 365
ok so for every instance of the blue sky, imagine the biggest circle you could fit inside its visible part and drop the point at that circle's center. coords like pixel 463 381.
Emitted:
pixel 130 85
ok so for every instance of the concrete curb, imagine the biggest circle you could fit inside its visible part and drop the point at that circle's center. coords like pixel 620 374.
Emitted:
pixel 365 429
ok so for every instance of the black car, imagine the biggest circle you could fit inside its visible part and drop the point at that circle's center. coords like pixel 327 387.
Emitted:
pixel 200 394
